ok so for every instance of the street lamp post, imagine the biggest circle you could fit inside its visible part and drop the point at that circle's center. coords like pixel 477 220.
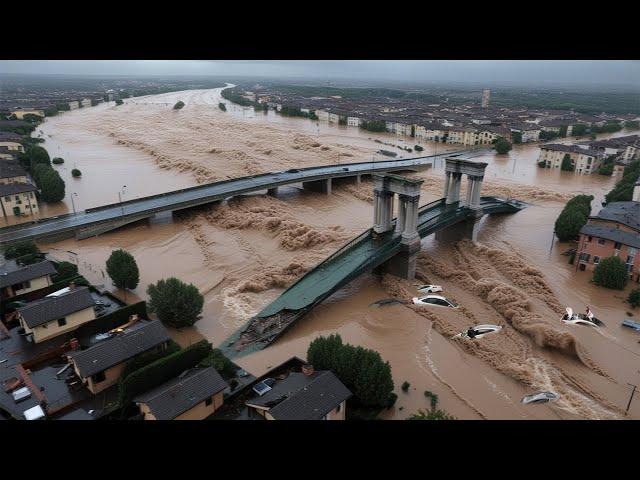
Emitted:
pixel 120 193
pixel 72 203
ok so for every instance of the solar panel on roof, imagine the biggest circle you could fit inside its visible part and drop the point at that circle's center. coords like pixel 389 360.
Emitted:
pixel 261 388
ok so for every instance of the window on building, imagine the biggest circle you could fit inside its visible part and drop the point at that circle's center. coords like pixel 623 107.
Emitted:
pixel 618 245
pixel 62 322
pixel 589 238
pixel 596 260
pixel 339 407
pixel 208 401
pixel 601 241
pixel 7 199
pixel 99 377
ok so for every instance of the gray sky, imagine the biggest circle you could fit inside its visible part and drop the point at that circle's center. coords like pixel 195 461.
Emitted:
pixel 525 72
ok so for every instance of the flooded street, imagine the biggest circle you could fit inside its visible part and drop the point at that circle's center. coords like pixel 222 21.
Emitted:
pixel 242 253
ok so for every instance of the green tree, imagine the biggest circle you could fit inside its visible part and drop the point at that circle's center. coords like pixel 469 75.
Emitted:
pixel 123 269
pixel 119 101
pixel 566 163
pixel 634 298
pixel 222 106
pixel 176 303
pixel 431 415
pixel 57 161
pixel 502 145
pixel 573 217
pixel 611 272
pixel 50 183
pixel 632 124
pixel 623 191
pixel 516 137
pixel 18 249
pixel 178 105
pixel 65 270
pixel 361 370
pixel 33 155
pixel 578 130
pixel 76 173
pixel 418 148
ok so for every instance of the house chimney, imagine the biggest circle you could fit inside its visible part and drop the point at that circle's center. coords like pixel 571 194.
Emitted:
pixel 72 286
pixel 307 369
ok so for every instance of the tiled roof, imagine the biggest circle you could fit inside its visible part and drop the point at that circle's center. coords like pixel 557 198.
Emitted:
pixel 615 234
pixel 303 397
pixel 51 308
pixel 627 213
pixel 14 188
pixel 138 339
pixel 10 169
pixel 180 394
pixel 10 275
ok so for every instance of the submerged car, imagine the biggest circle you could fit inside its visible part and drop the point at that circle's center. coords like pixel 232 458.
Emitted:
pixel 581 319
pixel 479 331
pixel 429 288
pixel 541 397
pixel 436 301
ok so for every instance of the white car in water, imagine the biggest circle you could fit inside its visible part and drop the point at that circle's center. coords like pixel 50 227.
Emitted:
pixel 429 288
pixel 435 300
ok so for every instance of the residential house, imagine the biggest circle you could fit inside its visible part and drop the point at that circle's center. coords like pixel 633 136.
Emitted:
pixel 21 112
pixel 11 141
pixel 7 154
pixel 12 172
pixel 529 132
pixel 194 395
pixel 100 366
pixel 57 313
pixel 86 102
pixel 583 160
pixel 614 231
pixel 74 104
pixel 18 279
pixel 18 199
pixel 305 395
pixel 353 121
pixel 322 115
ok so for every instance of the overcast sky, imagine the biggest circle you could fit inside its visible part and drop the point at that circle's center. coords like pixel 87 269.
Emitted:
pixel 525 72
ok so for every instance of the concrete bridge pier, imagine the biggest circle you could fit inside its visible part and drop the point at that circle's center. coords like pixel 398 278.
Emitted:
pixel 474 171
pixel 322 186
pixel 161 217
pixel 386 187
pixel 272 192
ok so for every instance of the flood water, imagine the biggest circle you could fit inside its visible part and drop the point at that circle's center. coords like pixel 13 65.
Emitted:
pixel 243 253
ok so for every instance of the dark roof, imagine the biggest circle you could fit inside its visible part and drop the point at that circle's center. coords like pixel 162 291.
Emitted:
pixel 303 397
pixel 12 274
pixel 13 188
pixel 615 234
pixel 137 339
pixel 178 395
pixel 627 213
pixel 10 137
pixel 77 414
pixel 559 147
pixel 11 168
pixel 51 308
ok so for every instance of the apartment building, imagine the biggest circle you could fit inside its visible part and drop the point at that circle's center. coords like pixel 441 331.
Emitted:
pixel 17 279
pixel 12 172
pixel 11 141
pixel 615 231
pixel 18 199
pixel 583 160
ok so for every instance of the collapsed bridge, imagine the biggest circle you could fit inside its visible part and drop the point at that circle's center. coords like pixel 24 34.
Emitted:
pixel 391 245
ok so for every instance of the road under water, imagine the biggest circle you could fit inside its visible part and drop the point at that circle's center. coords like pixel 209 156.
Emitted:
pixel 242 253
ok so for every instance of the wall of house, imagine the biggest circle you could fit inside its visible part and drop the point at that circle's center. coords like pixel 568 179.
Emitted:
pixel 51 329
pixel 14 146
pixel 18 179
pixel 34 284
pixel 201 410
pixel 26 202
pixel 338 413
pixel 112 375
pixel 21 113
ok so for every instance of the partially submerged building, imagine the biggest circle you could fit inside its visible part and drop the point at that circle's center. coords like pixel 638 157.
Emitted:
pixel 305 395
pixel 194 395
pixel 57 313
pixel 17 279
pixel 101 365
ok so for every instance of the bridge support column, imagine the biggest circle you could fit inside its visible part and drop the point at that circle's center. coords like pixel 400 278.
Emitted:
pixel 322 186
pixel 404 263
pixel 358 179
pixel 382 210
pixel 402 213
pixel 273 192
pixel 453 193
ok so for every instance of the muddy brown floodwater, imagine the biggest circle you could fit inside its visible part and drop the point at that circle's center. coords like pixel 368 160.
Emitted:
pixel 242 253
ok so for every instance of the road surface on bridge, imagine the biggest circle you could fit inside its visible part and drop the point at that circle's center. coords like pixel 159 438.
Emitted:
pixel 119 214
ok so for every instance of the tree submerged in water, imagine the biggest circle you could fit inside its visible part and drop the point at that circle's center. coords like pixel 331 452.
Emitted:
pixel 178 105
pixel 434 413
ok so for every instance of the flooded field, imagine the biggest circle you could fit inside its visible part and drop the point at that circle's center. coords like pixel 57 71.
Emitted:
pixel 242 253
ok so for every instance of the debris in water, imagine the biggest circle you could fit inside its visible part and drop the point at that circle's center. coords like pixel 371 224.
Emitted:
pixel 387 301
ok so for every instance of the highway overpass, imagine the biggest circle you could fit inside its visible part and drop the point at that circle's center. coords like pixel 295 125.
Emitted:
pixel 95 221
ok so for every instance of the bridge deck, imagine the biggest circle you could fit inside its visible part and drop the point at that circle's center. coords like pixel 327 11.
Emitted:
pixel 119 214
pixel 362 254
